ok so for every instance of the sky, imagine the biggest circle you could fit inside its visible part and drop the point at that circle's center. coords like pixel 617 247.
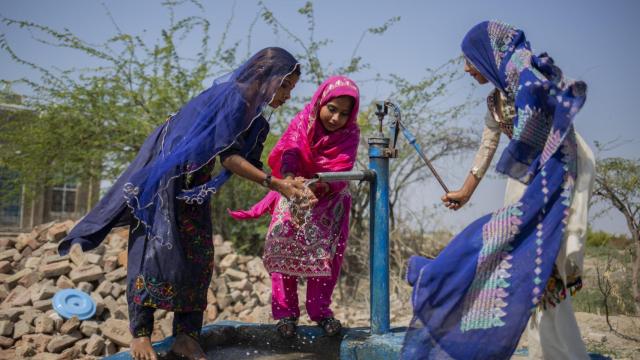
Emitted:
pixel 591 40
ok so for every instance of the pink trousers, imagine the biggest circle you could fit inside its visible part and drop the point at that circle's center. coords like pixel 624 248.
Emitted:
pixel 284 291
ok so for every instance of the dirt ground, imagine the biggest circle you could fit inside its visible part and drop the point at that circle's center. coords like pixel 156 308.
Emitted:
pixel 593 328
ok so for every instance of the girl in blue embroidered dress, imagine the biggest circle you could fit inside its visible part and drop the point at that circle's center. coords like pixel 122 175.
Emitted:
pixel 164 196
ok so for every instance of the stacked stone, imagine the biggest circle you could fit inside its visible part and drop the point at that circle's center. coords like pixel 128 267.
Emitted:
pixel 31 272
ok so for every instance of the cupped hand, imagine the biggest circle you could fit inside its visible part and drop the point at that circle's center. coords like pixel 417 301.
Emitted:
pixel 319 188
pixel 289 187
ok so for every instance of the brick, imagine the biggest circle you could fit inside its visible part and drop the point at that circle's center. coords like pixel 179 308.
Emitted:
pixel 104 288
pixel 30 279
pixel 43 293
pixel 211 313
pixel 160 314
pixel 235 295
pixel 118 238
pixel 238 307
pixel 235 274
pixel 44 325
pixel 70 325
pixel 6 242
pixel 32 263
pixel 9 255
pixel 166 326
pixel 41 229
pixel 64 282
pixel 23 240
pixel 55 269
pixel 95 345
pixel 5 267
pixel 77 255
pixel 110 348
pixel 100 250
pixel 72 353
pixel 6 342
pixel 50 246
pixel 110 263
pixel 95 259
pixel 211 297
pixel 45 356
pixel 85 287
pixel 116 331
pixel 229 261
pixel 117 290
pixel 89 328
pixel 57 232
pixel 43 305
pixel 32 243
pixel 21 328
pixel 30 316
pixel 110 304
pixel 121 313
pixel 99 303
pixel 86 273
pixel 39 341
pixel 57 320
pixel 12 313
pixel 224 301
pixel 223 249
pixel 117 274
pixel 256 268
pixel 240 285
pixel 19 296
pixel 13 279
pixel 122 258
pixel 6 328
pixel 25 350
pixel 55 258
pixel 61 342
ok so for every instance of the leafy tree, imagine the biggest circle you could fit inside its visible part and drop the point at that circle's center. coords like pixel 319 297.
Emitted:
pixel 96 118
pixel 617 186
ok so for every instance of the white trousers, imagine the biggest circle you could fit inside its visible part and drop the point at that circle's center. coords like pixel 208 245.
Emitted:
pixel 553 334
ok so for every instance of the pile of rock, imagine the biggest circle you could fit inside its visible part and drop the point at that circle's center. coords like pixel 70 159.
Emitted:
pixel 31 272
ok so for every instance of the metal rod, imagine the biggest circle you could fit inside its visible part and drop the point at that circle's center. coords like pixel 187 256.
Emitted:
pixel 412 140
pixel 366 175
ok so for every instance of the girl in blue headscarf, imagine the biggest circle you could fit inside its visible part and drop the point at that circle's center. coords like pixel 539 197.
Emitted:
pixel 475 299
pixel 164 195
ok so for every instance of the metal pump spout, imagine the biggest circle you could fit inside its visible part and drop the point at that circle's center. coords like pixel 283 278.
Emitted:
pixel 365 175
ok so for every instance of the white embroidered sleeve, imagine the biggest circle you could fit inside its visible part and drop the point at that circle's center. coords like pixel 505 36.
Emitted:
pixel 488 146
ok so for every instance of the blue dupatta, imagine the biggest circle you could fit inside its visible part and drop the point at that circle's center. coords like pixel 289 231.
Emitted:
pixel 226 114
pixel 474 300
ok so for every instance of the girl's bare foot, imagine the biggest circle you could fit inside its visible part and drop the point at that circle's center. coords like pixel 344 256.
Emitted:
pixel 141 349
pixel 187 347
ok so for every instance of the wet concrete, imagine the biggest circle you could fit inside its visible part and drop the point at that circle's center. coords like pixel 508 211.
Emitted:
pixel 230 340
pixel 250 352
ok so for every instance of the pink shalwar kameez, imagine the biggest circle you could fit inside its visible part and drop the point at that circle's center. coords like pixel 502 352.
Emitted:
pixel 312 246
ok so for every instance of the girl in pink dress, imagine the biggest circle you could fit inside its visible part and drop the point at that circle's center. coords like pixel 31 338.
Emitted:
pixel 323 137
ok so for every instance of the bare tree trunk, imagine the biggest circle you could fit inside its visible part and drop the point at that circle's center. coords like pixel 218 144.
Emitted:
pixel 634 274
pixel 604 285
pixel 635 237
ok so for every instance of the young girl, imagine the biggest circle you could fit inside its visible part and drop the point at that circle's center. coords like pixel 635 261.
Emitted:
pixel 518 264
pixel 322 137
pixel 164 196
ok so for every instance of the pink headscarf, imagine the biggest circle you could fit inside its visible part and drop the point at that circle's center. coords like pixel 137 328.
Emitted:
pixel 319 150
